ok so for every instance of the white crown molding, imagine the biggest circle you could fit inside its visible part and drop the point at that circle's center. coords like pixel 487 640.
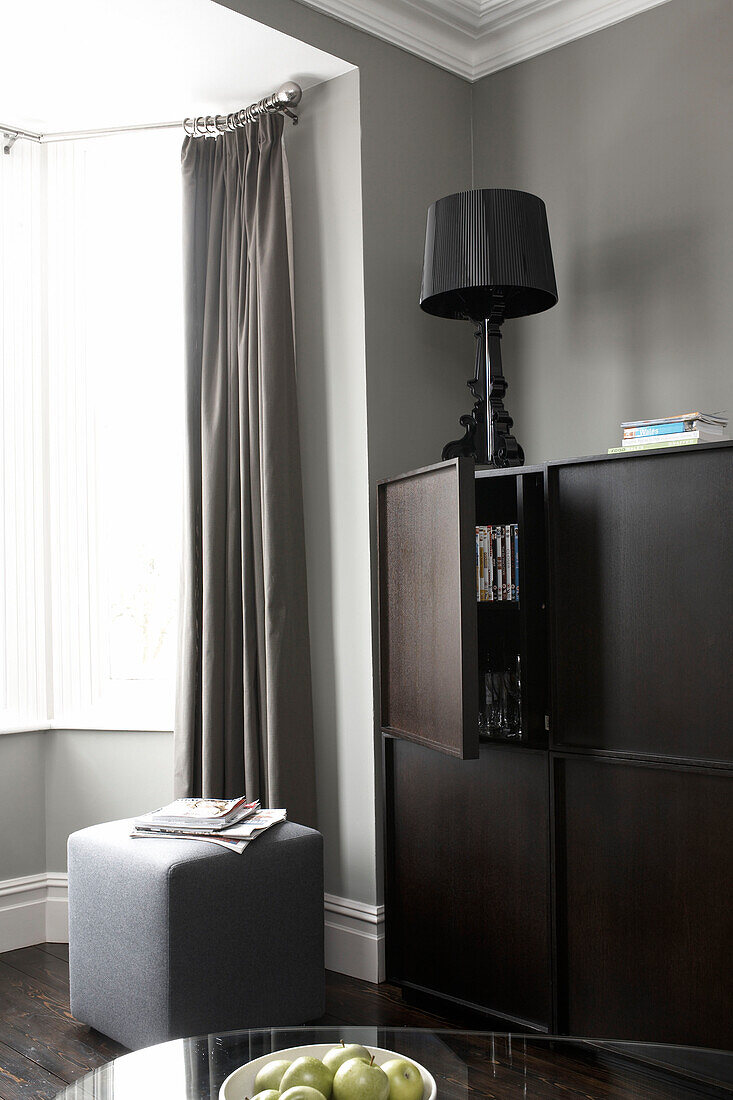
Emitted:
pixel 404 24
pixel 35 909
pixel 474 38
pixel 547 25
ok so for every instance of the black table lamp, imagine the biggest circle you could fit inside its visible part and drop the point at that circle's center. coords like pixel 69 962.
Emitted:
pixel 487 258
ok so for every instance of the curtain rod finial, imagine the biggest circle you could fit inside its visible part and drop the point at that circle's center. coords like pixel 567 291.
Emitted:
pixel 289 94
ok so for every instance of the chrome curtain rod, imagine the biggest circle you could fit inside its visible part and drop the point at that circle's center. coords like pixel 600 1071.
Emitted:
pixel 284 100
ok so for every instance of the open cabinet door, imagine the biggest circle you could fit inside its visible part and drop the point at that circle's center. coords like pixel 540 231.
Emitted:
pixel 427 595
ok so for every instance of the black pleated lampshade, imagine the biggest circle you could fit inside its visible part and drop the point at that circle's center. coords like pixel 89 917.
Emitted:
pixel 482 243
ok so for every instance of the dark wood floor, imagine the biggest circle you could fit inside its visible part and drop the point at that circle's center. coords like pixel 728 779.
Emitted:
pixel 42 1048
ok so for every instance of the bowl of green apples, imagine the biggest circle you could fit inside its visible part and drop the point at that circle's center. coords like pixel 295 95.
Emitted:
pixel 347 1071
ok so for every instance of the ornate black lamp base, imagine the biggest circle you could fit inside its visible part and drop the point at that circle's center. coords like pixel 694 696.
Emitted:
pixel 488 427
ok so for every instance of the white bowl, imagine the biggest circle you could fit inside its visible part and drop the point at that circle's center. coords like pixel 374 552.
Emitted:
pixel 240 1084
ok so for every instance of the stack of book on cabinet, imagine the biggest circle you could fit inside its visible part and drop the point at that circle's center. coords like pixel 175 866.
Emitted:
pixel 497 562
pixel 680 430
pixel 229 822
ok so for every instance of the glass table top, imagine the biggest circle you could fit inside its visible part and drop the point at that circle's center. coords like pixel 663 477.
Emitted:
pixel 466 1065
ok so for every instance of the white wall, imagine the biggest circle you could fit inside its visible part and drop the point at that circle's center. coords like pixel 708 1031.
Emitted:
pixel 626 135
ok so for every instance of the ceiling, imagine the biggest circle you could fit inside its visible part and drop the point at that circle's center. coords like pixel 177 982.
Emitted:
pixel 476 37
pixel 86 64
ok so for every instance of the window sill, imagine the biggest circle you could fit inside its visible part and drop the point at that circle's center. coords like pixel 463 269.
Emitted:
pixel 109 727
pixel 87 727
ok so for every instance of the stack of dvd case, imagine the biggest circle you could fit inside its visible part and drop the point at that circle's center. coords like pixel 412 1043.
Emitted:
pixel 497 562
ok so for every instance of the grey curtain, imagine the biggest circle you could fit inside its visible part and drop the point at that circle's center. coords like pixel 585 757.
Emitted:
pixel 243 697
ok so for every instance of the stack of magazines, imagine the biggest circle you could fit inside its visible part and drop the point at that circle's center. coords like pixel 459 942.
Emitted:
pixel 232 823
pixel 680 430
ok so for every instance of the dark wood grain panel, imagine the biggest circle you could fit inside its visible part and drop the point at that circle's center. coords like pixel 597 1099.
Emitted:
pixel 65 1050
pixel 21 1079
pixel 647 923
pixel 468 906
pixel 642 559
pixel 60 950
pixel 427 599
pixel 37 963
pixel 36 1020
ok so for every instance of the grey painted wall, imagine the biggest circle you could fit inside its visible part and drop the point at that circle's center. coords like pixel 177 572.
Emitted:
pixel 324 154
pixel 626 135
pixel 53 782
pixel 22 805
pixel 93 776
pixel 415 146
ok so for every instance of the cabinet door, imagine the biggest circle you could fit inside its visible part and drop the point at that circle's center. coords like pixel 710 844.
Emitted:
pixel 645 935
pixel 427 607
pixel 467 902
pixel 641 564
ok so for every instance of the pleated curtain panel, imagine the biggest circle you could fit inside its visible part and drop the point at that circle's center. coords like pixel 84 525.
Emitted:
pixel 243 695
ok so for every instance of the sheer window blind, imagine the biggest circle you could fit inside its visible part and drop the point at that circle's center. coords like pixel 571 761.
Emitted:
pixel 23 688
pixel 91 384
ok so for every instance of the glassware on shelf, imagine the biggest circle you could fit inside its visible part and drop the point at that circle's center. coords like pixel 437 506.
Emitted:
pixel 513 697
pixel 500 712
pixel 495 700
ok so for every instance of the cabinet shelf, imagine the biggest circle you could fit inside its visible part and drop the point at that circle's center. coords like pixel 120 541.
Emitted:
pixel 499 603
pixel 504 743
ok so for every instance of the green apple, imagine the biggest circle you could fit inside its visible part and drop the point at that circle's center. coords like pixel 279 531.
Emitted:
pixel 267 1094
pixel 301 1092
pixel 359 1080
pixel 308 1071
pixel 336 1056
pixel 405 1080
pixel 270 1076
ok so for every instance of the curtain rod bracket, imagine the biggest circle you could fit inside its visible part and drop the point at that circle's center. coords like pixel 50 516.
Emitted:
pixel 10 140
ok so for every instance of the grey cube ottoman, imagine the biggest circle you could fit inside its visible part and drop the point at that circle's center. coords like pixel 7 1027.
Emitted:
pixel 171 938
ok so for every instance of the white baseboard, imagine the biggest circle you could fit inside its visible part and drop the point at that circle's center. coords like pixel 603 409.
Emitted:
pixel 57 907
pixel 354 938
pixel 35 909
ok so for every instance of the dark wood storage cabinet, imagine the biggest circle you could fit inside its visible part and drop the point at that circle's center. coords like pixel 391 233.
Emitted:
pixel 579 881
